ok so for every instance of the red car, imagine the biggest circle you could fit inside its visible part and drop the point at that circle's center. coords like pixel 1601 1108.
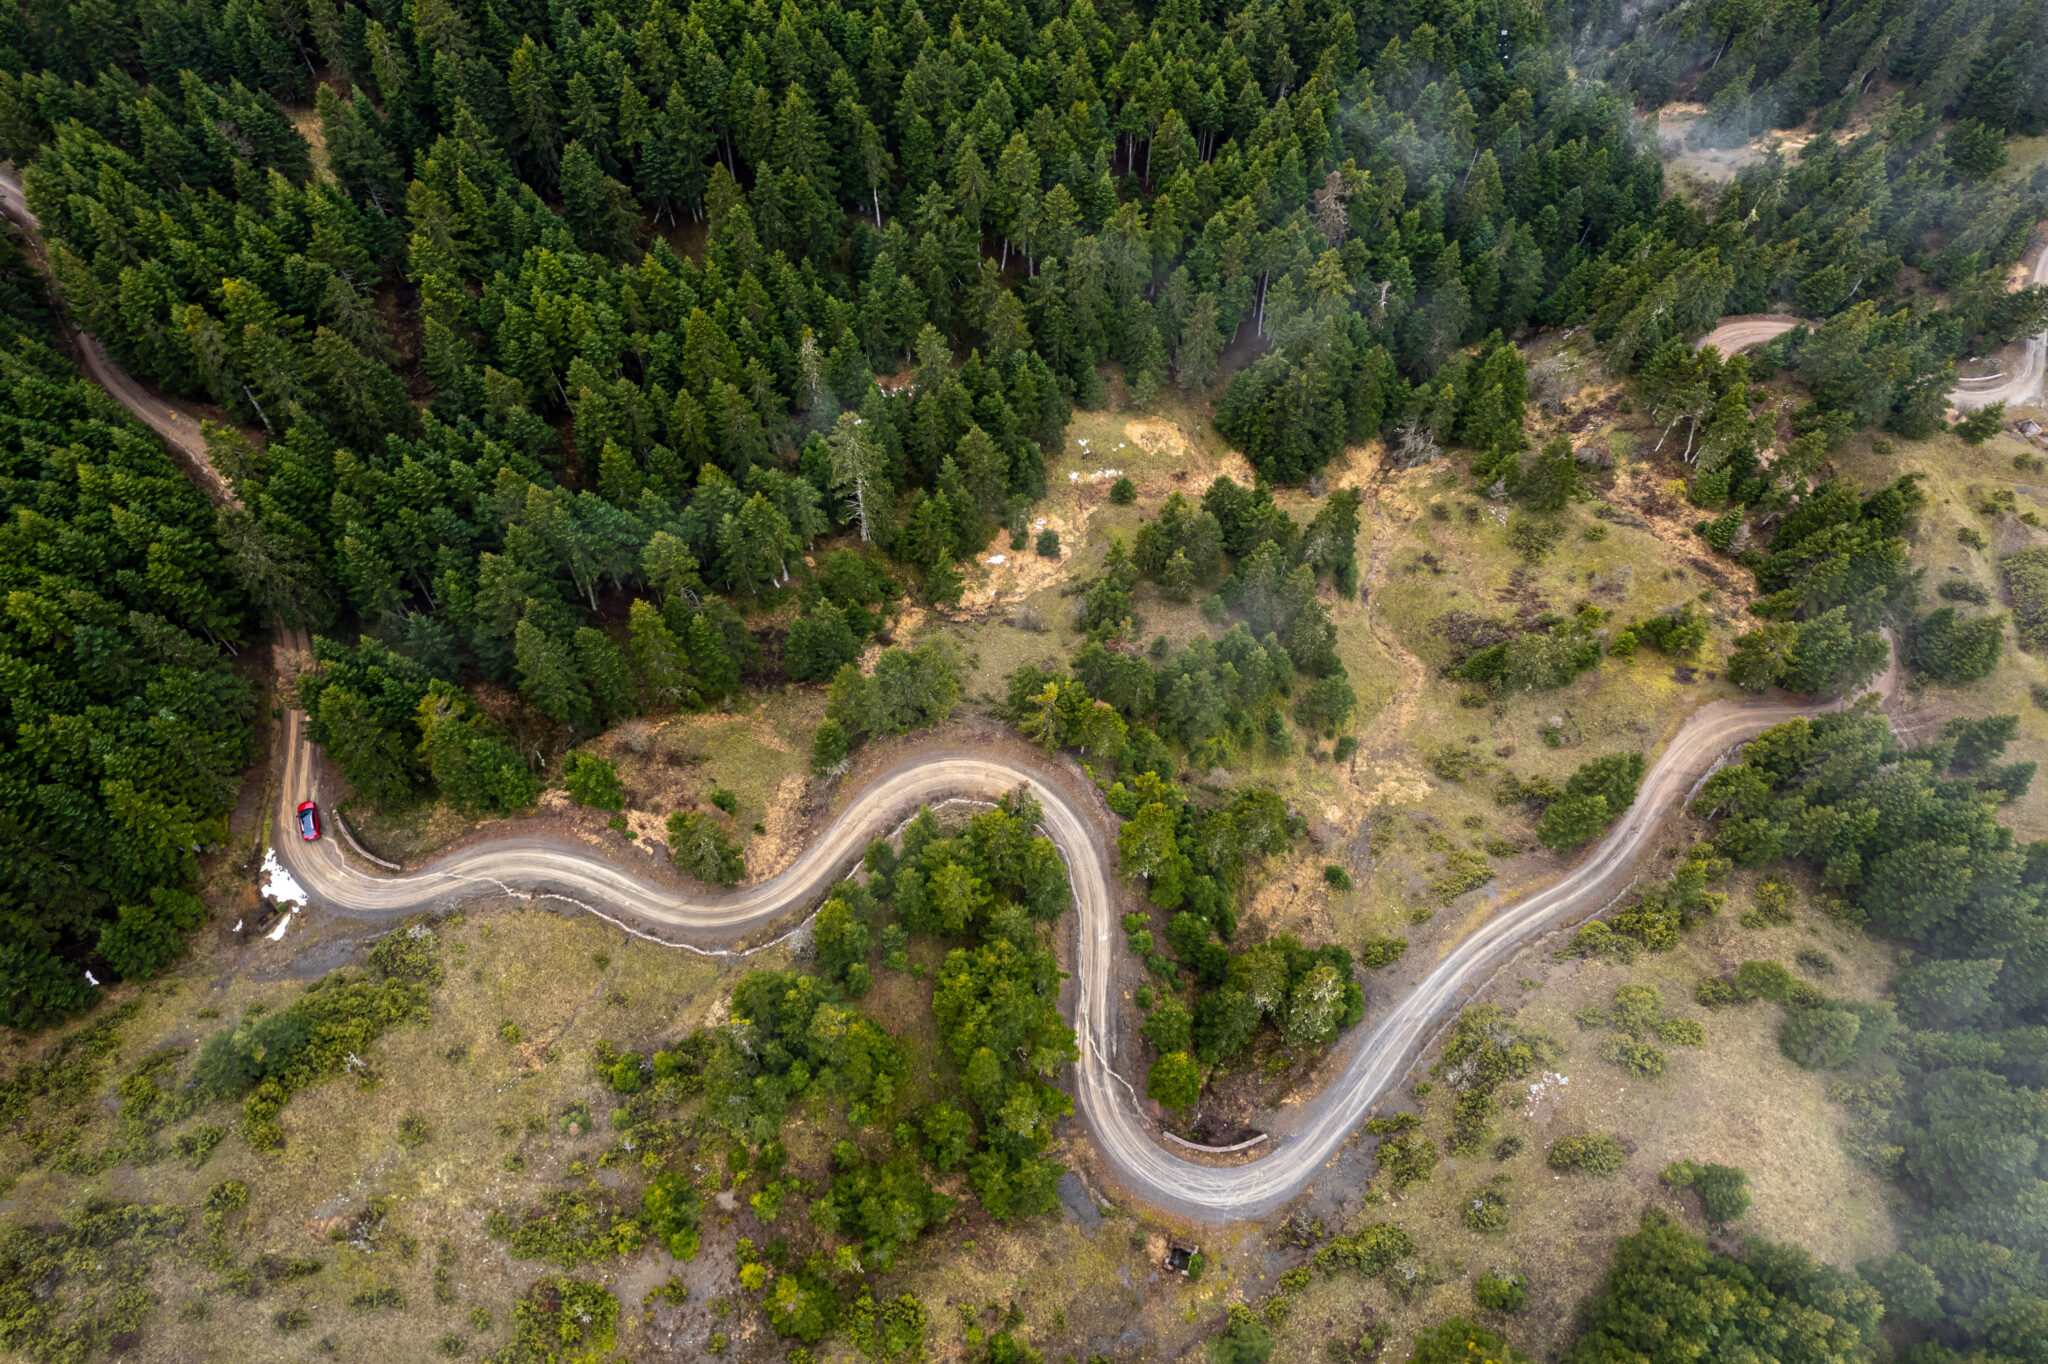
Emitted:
pixel 309 821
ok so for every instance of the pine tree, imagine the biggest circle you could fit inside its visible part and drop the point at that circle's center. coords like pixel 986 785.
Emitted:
pixel 659 659
pixel 548 677
pixel 605 675
pixel 716 672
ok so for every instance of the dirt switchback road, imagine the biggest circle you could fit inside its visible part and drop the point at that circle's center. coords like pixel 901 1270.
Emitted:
pixel 1124 1134
pixel 714 919
pixel 2018 387
pixel 1732 334
pixel 2022 384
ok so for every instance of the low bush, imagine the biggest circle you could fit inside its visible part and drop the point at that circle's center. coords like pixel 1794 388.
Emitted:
pixel 1496 1294
pixel 1723 1189
pixel 1593 1153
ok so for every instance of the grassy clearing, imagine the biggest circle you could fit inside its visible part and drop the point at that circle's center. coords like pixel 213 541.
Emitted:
pixel 564 982
pixel 1735 1101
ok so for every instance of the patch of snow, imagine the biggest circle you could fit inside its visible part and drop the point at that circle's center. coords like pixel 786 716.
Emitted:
pixel 238 926
pixel 995 558
pixel 277 934
pixel 1071 476
pixel 279 884
pixel 91 979
pixel 1039 524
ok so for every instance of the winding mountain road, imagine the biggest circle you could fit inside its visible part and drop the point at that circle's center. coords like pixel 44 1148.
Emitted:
pixel 1124 1134
pixel 1378 1057
pixel 2018 387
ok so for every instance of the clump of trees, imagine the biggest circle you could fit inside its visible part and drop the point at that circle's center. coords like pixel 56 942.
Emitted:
pixel 909 689
pixel 1941 1077
pixel 1666 1287
pixel 1836 569
pixel 129 730
pixel 1593 797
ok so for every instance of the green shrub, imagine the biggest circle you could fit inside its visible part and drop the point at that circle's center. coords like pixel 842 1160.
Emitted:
pixel 1123 492
pixel 594 782
pixel 2026 587
pixel 409 952
pixel 378 1299
pixel 413 1131
pixel 1379 952
pixel 700 848
pixel 1593 1153
pixel 562 1318
pixel 1048 543
pixel 1723 1189
pixel 1763 980
pixel 1496 1294
pixel 1487 1209
pixel 1713 992
pixel 1337 878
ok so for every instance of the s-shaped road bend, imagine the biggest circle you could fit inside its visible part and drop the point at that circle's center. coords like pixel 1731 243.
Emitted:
pixel 1376 1060
pixel 1124 1135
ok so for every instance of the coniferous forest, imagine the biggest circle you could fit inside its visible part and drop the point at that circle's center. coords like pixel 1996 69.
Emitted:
pixel 554 346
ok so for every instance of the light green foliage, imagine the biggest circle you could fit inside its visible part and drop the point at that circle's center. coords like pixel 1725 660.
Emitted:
pixel 894 1329
pixel 1458 1341
pixel 1723 1189
pixel 1175 1080
pixel 672 1209
pixel 1593 1153
pixel 1498 1293
pixel 594 782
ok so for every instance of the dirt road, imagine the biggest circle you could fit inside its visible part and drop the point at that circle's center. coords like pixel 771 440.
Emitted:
pixel 2022 382
pixel 1732 334
pixel 2019 386
pixel 180 430
pixel 1126 1136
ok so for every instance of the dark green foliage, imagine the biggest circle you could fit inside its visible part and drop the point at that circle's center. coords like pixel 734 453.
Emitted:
pixel 559 1314
pixel 1954 649
pixel 1667 1290
pixel 128 730
pixel 2026 587
pixel 884 1207
pixel 700 848
pixel 146 938
pixel 817 1042
pixel 278 1054
pixel 909 689
pixel 820 643
pixel 1244 1340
